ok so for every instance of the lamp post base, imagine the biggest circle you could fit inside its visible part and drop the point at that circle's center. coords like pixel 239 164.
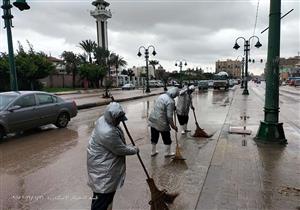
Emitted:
pixel 270 133
pixel 245 92
pixel 147 90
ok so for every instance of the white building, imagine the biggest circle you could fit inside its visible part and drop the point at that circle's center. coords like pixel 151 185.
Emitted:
pixel 138 71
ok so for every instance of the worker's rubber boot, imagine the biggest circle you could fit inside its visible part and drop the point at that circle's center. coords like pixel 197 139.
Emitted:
pixel 154 151
pixel 168 152
pixel 182 130
pixel 185 128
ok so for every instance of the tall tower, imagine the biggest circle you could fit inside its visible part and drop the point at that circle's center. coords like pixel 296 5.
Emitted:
pixel 101 14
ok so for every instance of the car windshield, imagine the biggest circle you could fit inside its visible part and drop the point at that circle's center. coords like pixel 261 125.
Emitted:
pixel 5 100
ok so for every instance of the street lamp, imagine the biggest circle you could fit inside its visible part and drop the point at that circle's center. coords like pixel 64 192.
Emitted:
pixel 242 69
pixel 180 63
pixel 246 52
pixel 7 16
pixel 147 62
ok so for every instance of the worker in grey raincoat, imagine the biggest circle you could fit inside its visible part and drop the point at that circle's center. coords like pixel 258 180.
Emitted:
pixel 106 157
pixel 184 104
pixel 161 118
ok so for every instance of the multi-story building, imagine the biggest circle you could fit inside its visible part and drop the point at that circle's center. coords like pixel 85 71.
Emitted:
pixel 289 67
pixel 141 70
pixel 232 67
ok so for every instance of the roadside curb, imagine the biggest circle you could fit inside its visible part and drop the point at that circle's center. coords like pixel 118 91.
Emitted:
pixel 84 91
pixel 107 101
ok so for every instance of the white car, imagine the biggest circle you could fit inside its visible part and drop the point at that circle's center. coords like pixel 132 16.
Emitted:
pixel 128 87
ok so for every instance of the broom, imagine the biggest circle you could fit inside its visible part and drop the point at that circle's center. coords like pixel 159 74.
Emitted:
pixel 159 198
pixel 178 155
pixel 199 132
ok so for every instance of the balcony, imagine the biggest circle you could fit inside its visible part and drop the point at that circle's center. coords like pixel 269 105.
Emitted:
pixel 102 14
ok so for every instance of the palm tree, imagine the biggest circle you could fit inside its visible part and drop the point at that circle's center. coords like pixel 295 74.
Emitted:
pixel 153 63
pixel 71 61
pixel 117 61
pixel 101 56
pixel 88 46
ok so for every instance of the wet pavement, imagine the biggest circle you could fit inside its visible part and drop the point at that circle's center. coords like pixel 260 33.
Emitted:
pixel 46 168
pixel 247 175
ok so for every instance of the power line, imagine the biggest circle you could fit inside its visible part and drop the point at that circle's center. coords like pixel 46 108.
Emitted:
pixel 256 17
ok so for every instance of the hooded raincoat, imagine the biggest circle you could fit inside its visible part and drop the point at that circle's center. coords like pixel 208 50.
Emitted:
pixel 184 103
pixel 162 113
pixel 106 152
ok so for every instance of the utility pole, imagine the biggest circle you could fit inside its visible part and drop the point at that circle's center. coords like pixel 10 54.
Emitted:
pixel 270 131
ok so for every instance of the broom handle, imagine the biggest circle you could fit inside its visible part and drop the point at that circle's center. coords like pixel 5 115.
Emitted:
pixel 138 154
pixel 195 117
pixel 175 131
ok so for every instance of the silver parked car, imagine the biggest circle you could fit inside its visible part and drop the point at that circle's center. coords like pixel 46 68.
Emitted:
pixel 23 110
pixel 128 86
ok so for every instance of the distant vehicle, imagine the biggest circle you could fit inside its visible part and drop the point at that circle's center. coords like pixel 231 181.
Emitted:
pixel 230 82
pixel 202 85
pixel 291 80
pixel 155 83
pixel 23 110
pixel 160 84
pixel 297 82
pixel 257 80
pixel 210 83
pixel 221 81
pixel 128 86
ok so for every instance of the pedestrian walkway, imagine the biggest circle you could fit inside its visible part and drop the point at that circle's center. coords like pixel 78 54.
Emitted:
pixel 244 174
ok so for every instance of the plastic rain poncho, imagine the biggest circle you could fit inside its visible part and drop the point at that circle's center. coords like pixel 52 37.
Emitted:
pixel 162 113
pixel 184 102
pixel 106 152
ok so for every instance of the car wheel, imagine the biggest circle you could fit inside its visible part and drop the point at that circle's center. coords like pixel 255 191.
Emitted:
pixel 62 120
pixel 2 133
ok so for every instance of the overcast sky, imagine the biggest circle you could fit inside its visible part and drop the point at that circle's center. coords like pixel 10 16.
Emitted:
pixel 199 31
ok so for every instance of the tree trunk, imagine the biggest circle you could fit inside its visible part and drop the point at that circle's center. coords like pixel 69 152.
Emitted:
pixel 73 79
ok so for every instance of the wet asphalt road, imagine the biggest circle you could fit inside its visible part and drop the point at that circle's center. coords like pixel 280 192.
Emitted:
pixel 46 168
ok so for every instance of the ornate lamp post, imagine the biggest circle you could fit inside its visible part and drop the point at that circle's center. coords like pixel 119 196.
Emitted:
pixel 246 52
pixel 7 16
pixel 270 130
pixel 180 63
pixel 147 62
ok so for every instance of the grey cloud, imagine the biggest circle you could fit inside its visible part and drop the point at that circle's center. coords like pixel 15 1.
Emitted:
pixel 201 31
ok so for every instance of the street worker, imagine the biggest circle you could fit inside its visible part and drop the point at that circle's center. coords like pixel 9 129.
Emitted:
pixel 160 120
pixel 184 104
pixel 106 157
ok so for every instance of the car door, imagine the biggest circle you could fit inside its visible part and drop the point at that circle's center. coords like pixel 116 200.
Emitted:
pixel 25 116
pixel 47 108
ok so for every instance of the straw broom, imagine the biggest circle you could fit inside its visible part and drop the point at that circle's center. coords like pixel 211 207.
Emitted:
pixel 178 155
pixel 159 198
pixel 199 132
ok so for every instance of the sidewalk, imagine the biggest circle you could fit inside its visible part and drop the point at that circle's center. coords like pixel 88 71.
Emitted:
pixel 246 175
